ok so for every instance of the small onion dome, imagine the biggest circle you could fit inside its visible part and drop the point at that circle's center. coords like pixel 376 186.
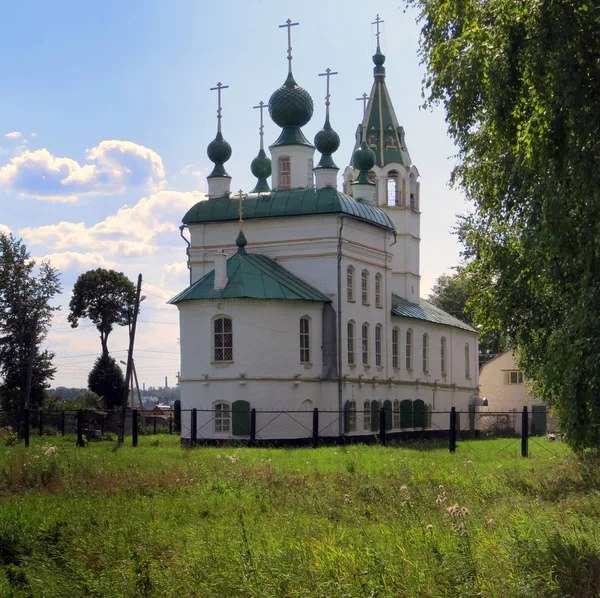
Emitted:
pixel 378 60
pixel 261 169
pixel 290 105
pixel 219 151
pixel 363 160
pixel 241 242
pixel 327 141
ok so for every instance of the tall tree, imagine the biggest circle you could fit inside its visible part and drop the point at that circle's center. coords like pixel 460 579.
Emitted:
pixel 520 82
pixel 105 297
pixel 25 316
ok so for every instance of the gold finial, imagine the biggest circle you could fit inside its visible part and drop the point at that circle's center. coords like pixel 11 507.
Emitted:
pixel 328 73
pixel 241 209
pixel 289 26
pixel 377 22
pixel 261 106
pixel 219 87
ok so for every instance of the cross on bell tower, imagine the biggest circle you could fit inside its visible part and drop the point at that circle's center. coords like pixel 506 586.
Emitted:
pixel 218 88
pixel 328 73
pixel 261 130
pixel 377 22
pixel 289 26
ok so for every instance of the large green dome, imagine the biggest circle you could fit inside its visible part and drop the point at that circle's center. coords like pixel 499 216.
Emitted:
pixel 364 157
pixel 290 105
pixel 261 166
pixel 218 150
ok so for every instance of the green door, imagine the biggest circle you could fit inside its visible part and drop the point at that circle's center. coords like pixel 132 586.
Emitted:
pixel 406 414
pixel 419 415
pixel 374 416
pixel 240 412
pixel 538 420
pixel 387 407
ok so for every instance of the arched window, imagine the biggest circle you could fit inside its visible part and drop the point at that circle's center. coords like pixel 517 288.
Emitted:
pixel 393 195
pixel 365 344
pixel 414 203
pixel 425 353
pixel 304 339
pixel 284 172
pixel 352 416
pixel 378 297
pixel 396 414
pixel 378 337
pixel 443 355
pixel 364 287
pixel 467 361
pixel 222 411
pixel 351 336
pixel 222 339
pixel 367 415
pixel 409 344
pixel 395 348
pixel 350 283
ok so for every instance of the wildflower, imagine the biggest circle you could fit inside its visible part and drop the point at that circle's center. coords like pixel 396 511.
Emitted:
pixel 491 523
pixel 468 462
pixel 429 527
pixel 49 450
pixel 441 487
pixel 403 488
pixel 464 512
pixel 454 510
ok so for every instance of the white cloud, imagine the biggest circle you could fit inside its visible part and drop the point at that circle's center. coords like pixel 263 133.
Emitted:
pixel 13 135
pixel 80 261
pixel 4 229
pixel 115 166
pixel 130 231
pixel 32 134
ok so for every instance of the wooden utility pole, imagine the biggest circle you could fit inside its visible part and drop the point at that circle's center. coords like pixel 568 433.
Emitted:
pixel 129 361
pixel 137 385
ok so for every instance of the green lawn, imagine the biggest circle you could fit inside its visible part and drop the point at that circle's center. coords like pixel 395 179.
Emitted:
pixel 159 520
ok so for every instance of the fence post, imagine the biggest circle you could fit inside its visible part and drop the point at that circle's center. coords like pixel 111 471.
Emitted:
pixel 194 427
pixel 134 427
pixel 62 422
pixel 79 427
pixel 26 426
pixel 525 433
pixel 177 416
pixel 315 430
pixel 382 430
pixel 453 430
pixel 252 426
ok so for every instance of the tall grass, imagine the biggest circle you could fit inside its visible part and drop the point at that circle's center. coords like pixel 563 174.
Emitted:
pixel 331 522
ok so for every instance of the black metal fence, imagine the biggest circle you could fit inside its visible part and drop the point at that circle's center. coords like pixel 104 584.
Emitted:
pixel 254 427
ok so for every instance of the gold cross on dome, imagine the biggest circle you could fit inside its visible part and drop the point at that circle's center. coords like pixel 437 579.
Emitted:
pixel 377 22
pixel 328 73
pixel 289 26
pixel 261 129
pixel 241 208
pixel 219 87
pixel 364 99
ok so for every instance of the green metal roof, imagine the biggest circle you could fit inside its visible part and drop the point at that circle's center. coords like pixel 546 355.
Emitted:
pixel 252 276
pixel 296 202
pixel 426 311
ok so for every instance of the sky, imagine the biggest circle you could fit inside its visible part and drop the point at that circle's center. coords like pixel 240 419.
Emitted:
pixel 106 112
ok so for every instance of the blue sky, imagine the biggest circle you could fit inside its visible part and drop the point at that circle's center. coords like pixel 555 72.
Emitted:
pixel 105 115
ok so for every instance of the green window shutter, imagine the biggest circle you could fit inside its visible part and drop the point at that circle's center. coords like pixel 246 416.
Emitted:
pixel 374 416
pixel 406 414
pixel 240 412
pixel 419 414
pixel 347 416
pixel 389 422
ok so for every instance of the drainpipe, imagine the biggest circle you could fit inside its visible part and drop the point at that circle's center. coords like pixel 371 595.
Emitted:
pixel 339 327
pixel 187 250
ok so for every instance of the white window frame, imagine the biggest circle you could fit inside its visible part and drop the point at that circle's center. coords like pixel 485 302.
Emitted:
pixel 409 348
pixel 350 284
pixel 352 416
pixel 518 377
pixel 223 336
pixel 305 344
pixel 367 415
pixel 378 342
pixel 284 175
pixel 425 353
pixel 222 411
pixel 396 348
pixel 364 287
pixel 351 342
pixel 364 343
pixel 396 414
pixel 378 296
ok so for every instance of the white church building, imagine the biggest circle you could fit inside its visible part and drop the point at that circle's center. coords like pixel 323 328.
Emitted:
pixel 315 302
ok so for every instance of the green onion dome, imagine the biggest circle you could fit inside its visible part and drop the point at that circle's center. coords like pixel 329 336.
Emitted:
pixel 218 149
pixel 364 158
pixel 327 141
pixel 290 105
pixel 261 165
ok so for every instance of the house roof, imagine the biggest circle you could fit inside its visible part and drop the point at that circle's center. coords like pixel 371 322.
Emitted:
pixel 426 311
pixel 294 202
pixel 252 276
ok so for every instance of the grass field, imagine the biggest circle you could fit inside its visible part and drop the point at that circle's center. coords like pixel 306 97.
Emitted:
pixel 159 520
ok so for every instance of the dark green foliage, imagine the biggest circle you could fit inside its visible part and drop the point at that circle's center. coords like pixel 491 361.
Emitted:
pixel 107 381
pixel 520 84
pixel 106 298
pixel 25 311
